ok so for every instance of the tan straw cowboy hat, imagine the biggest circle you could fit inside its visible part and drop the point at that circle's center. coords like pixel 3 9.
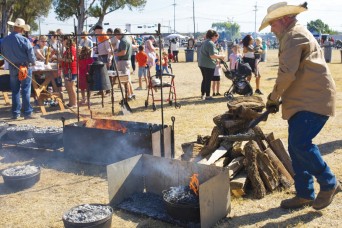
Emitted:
pixel 20 23
pixel 279 10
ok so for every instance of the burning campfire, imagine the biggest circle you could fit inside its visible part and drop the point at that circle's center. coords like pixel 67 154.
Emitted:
pixel 182 202
pixel 194 183
pixel 106 125
pixel 116 140
pixel 147 185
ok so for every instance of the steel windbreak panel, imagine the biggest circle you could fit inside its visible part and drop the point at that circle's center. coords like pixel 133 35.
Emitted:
pixel 124 179
pixel 156 174
pixel 103 147
pixel 171 172
pixel 214 196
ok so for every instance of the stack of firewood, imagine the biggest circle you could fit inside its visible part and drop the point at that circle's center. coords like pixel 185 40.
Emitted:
pixel 252 158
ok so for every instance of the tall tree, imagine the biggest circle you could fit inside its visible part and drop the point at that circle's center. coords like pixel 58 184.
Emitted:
pixel 232 29
pixel 97 8
pixel 31 10
pixel 6 15
pixel 319 26
pixel 65 9
pixel 105 7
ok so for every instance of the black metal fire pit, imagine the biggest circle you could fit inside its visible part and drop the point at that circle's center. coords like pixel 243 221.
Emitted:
pixel 89 215
pixel 48 135
pixel 181 203
pixel 103 141
pixel 21 177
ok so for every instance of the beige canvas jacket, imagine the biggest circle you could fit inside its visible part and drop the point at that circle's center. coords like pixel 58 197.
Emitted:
pixel 304 82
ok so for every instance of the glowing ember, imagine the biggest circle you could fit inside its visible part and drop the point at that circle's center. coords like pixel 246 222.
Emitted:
pixel 106 125
pixel 194 183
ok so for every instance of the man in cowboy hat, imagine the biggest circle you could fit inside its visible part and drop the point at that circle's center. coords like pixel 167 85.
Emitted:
pixel 18 50
pixel 307 90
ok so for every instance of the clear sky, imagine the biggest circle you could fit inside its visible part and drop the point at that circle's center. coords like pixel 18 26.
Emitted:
pixel 180 15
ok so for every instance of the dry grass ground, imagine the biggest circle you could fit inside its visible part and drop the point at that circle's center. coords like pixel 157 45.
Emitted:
pixel 65 184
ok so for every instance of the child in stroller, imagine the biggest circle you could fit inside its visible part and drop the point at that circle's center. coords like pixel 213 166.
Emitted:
pixel 238 76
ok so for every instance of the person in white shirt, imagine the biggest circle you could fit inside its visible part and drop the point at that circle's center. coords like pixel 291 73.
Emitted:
pixel 175 49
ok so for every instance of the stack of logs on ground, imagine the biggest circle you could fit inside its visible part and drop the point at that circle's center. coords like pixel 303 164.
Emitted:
pixel 256 161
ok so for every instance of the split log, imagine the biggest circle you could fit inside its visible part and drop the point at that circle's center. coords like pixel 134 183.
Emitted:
pixel 268 172
pixel 246 113
pixel 238 184
pixel 252 102
pixel 191 151
pixel 237 150
pixel 278 148
pixel 220 162
pixel 246 136
pixel 235 126
pixel 227 144
pixel 235 166
pixel 284 176
pixel 203 139
pixel 213 142
pixel 238 123
pixel 270 137
pixel 220 119
pixel 212 158
pixel 260 137
pixel 259 190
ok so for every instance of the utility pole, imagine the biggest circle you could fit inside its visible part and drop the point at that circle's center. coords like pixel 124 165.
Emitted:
pixel 174 16
pixel 255 10
pixel 193 13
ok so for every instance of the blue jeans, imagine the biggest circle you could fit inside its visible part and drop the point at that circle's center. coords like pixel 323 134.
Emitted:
pixel 307 161
pixel 25 93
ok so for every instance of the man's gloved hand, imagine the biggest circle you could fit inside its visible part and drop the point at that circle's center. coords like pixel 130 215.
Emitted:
pixel 272 106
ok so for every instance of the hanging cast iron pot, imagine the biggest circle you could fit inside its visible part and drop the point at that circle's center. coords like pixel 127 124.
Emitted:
pixel 97 77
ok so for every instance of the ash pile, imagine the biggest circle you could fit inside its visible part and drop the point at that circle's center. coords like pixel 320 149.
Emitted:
pixel 257 163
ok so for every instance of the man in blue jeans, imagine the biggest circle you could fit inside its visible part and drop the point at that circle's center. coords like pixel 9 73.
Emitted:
pixel 17 49
pixel 307 90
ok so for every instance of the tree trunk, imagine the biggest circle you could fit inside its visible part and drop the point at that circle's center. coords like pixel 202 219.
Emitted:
pixel 81 18
pixel 6 14
pixel 101 19
pixel 278 148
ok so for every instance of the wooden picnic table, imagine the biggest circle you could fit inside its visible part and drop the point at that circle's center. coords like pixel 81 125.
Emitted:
pixel 40 90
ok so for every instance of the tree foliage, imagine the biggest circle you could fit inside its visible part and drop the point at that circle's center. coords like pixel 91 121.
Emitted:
pixel 29 10
pixel 104 7
pixel 65 9
pixel 232 29
pixel 319 26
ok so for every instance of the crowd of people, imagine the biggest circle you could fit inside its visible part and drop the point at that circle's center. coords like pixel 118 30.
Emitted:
pixel 248 50
pixel 58 48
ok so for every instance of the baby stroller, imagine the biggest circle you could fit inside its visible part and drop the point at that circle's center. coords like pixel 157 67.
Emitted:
pixel 240 84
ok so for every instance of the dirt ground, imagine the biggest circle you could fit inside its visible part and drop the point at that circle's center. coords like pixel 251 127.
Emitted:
pixel 65 184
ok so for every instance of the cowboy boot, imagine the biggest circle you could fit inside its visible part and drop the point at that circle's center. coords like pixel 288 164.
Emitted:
pixel 324 198
pixel 295 203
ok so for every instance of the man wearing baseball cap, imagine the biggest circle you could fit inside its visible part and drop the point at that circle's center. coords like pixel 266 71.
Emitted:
pixel 307 90
pixel 18 50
